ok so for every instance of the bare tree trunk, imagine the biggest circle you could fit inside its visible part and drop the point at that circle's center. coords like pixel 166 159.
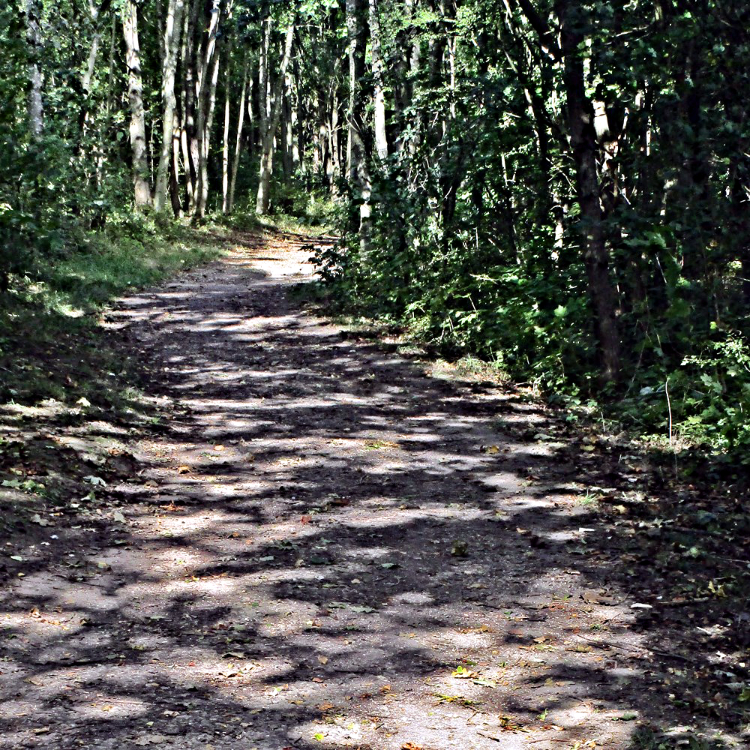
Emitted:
pixel 205 93
pixel 84 114
pixel 88 74
pixel 225 147
pixel 138 144
pixel 359 175
pixel 34 41
pixel 287 135
pixel 381 139
pixel 172 29
pixel 174 175
pixel 238 141
pixel 252 134
pixel 272 123
pixel 188 135
pixel 206 137
pixel 583 143
pixel 294 123
pixel 415 63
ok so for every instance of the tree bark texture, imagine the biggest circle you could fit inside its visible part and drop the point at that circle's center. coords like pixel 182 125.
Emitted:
pixel 172 30
pixel 138 143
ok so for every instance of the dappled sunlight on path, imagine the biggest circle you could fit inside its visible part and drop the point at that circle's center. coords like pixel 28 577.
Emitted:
pixel 322 547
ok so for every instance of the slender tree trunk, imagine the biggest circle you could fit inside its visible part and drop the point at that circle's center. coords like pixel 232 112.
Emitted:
pixel 205 95
pixel 294 146
pixel 415 64
pixel 583 143
pixel 88 73
pixel 381 139
pixel 188 135
pixel 272 123
pixel 238 141
pixel 172 29
pixel 34 41
pixel 138 143
pixel 251 119
pixel 359 175
pixel 225 146
pixel 206 137
pixel 174 174
pixel 287 135
pixel 334 130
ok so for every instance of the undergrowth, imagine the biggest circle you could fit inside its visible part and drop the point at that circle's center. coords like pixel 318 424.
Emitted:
pixel 690 394
pixel 49 343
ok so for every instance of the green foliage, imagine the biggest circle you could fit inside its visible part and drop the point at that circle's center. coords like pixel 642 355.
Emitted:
pixel 478 240
pixel 717 394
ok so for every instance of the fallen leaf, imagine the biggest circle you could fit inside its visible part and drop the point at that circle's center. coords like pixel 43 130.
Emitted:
pixel 323 659
pixel 509 725
pixel 459 549
pixel 455 699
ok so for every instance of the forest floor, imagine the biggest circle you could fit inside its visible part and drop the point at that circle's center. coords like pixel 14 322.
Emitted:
pixel 291 535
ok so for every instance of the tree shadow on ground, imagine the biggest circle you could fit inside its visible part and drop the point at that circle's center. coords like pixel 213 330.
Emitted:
pixel 318 546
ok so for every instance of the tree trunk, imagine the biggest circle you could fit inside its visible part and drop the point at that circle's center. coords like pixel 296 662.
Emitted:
pixel 34 41
pixel 205 95
pixel 287 134
pixel 172 29
pixel 174 175
pixel 583 144
pixel 206 137
pixel 359 174
pixel 88 74
pixel 271 124
pixel 225 146
pixel 138 144
pixel 238 141
pixel 381 139
pixel 188 134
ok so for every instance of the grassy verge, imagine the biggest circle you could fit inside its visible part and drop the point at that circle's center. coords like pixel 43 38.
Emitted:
pixel 71 397
pixel 50 345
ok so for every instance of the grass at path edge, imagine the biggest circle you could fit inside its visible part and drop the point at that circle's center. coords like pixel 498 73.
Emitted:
pixel 50 338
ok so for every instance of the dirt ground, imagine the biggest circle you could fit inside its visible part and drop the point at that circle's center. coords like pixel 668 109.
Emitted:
pixel 318 543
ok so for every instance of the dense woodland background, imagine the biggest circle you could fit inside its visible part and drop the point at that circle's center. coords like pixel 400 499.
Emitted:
pixel 557 186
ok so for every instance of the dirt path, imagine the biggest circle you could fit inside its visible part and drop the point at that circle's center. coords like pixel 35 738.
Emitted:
pixel 323 547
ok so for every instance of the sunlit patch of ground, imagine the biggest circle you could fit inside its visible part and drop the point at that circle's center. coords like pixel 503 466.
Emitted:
pixel 320 547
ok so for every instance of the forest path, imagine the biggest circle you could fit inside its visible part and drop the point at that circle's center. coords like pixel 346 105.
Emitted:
pixel 322 546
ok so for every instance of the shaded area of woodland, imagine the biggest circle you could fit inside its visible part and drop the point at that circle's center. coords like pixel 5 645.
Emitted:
pixel 563 187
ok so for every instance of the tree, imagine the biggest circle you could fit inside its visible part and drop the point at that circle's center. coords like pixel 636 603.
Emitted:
pixel 272 112
pixel 138 142
pixel 172 30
